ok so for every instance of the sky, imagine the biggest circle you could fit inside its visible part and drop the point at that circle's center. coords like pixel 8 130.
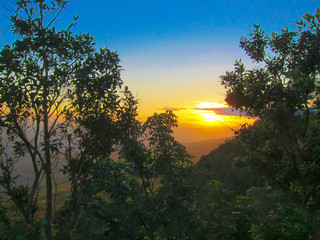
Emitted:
pixel 173 52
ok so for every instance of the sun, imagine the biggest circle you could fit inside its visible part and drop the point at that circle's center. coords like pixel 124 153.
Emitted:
pixel 207 114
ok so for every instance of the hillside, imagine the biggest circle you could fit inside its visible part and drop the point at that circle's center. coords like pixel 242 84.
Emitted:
pixel 198 149
pixel 219 165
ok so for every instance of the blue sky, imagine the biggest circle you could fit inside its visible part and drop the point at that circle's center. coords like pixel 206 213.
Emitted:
pixel 173 52
pixel 179 48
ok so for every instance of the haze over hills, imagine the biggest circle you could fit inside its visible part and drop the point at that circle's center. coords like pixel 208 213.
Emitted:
pixel 197 149
pixel 200 148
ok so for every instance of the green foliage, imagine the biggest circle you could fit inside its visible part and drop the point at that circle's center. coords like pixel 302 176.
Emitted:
pixel 148 193
pixel 287 221
pixel 70 95
pixel 59 96
pixel 12 228
pixel 284 95
pixel 289 80
pixel 221 164
pixel 220 215
pixel 265 200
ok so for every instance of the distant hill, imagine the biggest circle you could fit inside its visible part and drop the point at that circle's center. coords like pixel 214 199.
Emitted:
pixel 201 148
pixel 198 149
pixel 219 165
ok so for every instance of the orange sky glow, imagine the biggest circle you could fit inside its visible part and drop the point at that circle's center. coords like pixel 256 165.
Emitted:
pixel 200 121
pixel 173 52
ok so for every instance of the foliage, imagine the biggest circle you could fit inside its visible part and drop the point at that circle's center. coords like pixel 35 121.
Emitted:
pixel 62 99
pixel 220 215
pixel 148 193
pixel 59 96
pixel 287 221
pixel 12 228
pixel 221 164
pixel 284 94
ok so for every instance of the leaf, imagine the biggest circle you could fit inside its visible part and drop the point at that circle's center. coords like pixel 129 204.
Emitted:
pixel 307 17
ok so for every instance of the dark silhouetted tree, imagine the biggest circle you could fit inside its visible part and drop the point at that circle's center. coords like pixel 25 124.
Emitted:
pixel 284 95
pixel 59 96
pixel 148 193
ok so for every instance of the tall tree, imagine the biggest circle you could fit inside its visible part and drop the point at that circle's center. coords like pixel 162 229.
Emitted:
pixel 284 95
pixel 147 193
pixel 55 89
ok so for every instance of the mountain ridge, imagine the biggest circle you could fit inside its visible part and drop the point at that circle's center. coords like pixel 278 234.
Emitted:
pixel 204 147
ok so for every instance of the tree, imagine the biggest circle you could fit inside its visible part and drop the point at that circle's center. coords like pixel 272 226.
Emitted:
pixel 60 98
pixel 284 94
pixel 220 165
pixel 147 193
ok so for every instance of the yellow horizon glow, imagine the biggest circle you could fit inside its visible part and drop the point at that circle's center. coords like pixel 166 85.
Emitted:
pixel 200 113
pixel 208 117
pixel 197 120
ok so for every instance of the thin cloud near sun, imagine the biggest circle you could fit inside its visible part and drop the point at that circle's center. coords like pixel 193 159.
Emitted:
pixel 209 107
pixel 174 109
pixel 207 113
pixel 223 111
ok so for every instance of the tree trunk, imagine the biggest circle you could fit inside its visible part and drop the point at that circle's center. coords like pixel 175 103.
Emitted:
pixel 48 215
pixel 47 170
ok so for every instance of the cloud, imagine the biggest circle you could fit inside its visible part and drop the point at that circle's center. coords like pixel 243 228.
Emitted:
pixel 172 109
pixel 222 111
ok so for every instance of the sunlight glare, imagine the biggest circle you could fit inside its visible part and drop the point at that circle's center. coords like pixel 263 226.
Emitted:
pixel 207 114
pixel 208 105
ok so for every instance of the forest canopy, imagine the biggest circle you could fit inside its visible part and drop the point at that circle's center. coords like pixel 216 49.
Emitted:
pixel 65 109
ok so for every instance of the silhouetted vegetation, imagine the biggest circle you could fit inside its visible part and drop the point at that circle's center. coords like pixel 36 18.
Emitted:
pixel 63 105
pixel 223 164
pixel 284 145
